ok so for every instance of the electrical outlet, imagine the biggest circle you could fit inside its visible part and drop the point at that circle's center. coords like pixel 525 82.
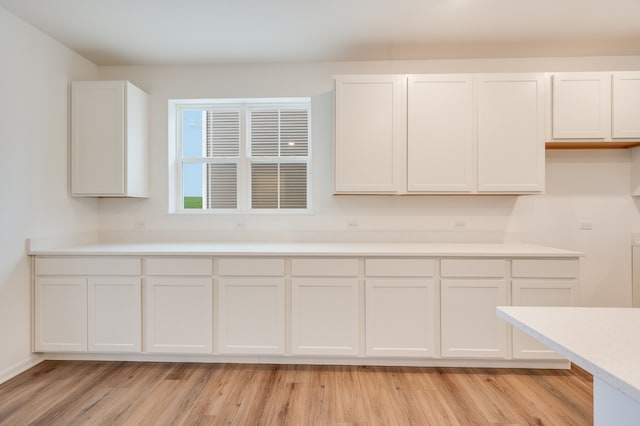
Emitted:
pixel 352 225
pixel 139 225
pixel 240 226
pixel 459 225
pixel 585 226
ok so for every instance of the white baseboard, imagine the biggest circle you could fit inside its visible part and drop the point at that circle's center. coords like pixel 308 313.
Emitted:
pixel 20 367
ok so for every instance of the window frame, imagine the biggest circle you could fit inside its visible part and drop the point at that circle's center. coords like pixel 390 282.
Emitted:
pixel 243 161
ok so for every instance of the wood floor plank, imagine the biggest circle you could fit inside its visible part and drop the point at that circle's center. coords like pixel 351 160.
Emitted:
pixel 141 393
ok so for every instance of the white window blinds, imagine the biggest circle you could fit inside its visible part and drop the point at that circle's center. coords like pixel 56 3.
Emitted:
pixel 279 145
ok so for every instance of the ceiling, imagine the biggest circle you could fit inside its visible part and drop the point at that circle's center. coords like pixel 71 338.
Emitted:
pixel 131 32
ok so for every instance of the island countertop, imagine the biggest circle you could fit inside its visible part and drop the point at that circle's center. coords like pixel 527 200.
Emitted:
pixel 603 341
pixel 306 249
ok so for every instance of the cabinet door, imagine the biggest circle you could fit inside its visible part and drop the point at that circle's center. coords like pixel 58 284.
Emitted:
pixel 581 105
pixel 60 314
pixel 440 134
pixel 178 316
pixel 470 326
pixel 540 292
pixel 251 315
pixel 325 315
pixel 98 137
pixel 626 105
pixel 510 135
pixel 115 314
pixel 401 315
pixel 370 134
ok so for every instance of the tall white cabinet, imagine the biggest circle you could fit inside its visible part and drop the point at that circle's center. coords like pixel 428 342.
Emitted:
pixel 441 137
pixel 369 133
pixel 109 146
pixel 463 133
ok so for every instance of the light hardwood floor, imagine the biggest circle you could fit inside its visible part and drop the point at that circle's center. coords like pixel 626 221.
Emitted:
pixel 111 393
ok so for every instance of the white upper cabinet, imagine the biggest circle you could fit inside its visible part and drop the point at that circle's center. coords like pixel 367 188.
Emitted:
pixel 459 133
pixel 370 133
pixel 602 106
pixel 626 105
pixel 582 105
pixel 510 133
pixel 109 145
pixel 440 134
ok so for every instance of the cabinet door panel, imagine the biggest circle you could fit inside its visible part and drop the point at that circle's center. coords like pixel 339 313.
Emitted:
pixel 511 133
pixel 532 292
pixel 440 134
pixel 98 137
pixel 251 315
pixel 626 105
pixel 581 105
pixel 325 316
pixel 370 134
pixel 178 315
pixel 401 317
pixel 470 326
pixel 60 314
pixel 115 314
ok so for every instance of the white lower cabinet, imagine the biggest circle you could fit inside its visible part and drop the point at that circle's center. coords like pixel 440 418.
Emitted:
pixel 541 282
pixel 114 314
pixel 401 308
pixel 470 291
pixel 470 327
pixel 251 306
pixel 87 303
pixel 60 314
pixel 251 315
pixel 179 315
pixel 325 306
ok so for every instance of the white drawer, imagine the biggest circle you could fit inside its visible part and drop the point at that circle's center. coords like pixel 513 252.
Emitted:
pixel 250 267
pixel 179 266
pixel 336 267
pixel 82 265
pixel 473 268
pixel 545 268
pixel 399 267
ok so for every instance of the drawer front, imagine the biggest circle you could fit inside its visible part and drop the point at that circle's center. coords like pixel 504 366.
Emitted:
pixel 473 268
pixel 250 267
pixel 545 268
pixel 179 266
pixel 336 267
pixel 88 265
pixel 399 267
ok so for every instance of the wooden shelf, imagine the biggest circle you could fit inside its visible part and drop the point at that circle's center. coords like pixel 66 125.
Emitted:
pixel 592 145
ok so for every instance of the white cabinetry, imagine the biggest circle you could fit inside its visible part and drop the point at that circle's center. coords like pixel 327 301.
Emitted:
pixel 459 134
pixel 470 291
pixel 440 135
pixel 179 305
pixel 87 304
pixel 370 133
pixel 602 106
pixel 251 306
pixel 60 314
pixel 401 308
pixel 325 306
pixel 114 314
pixel 541 282
pixel 108 139
pixel 510 133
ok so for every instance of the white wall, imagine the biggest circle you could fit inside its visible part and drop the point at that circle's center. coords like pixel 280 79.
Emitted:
pixel 34 77
pixel 581 185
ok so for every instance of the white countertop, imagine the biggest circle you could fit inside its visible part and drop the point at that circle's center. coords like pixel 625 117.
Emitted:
pixel 308 249
pixel 603 341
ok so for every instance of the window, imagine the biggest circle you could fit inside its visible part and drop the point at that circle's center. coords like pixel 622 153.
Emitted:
pixel 240 155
